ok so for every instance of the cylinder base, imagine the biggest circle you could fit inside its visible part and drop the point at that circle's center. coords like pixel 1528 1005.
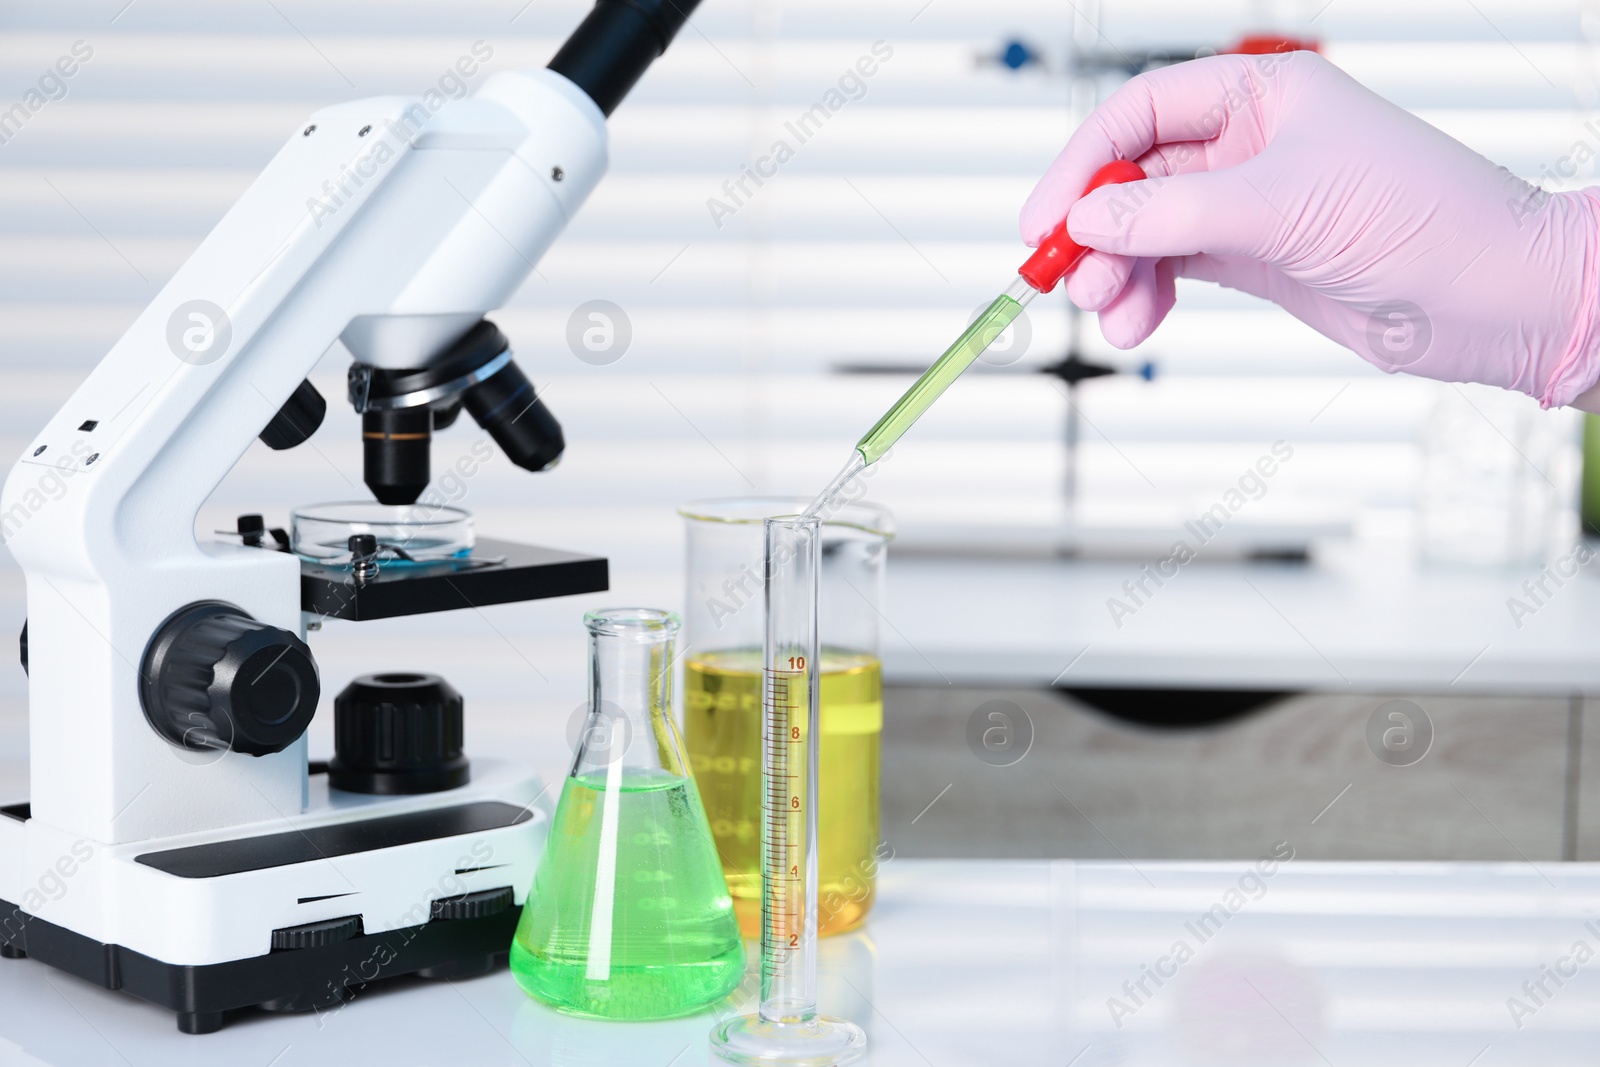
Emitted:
pixel 820 1041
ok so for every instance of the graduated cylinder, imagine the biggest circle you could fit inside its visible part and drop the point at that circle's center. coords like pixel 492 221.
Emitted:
pixel 791 715
pixel 786 1031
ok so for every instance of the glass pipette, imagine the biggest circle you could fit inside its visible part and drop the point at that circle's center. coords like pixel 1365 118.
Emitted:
pixel 1053 260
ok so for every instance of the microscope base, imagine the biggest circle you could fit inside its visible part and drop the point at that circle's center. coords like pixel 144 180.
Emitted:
pixel 296 914
pixel 320 979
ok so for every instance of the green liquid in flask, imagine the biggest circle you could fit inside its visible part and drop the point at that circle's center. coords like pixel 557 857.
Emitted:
pixel 629 916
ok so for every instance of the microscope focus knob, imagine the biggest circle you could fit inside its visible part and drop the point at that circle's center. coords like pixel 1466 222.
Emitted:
pixel 215 678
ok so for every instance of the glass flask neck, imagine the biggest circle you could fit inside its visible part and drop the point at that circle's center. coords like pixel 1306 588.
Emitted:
pixel 629 723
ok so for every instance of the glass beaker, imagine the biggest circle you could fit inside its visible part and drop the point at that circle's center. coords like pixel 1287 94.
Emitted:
pixel 723 624
pixel 629 915
pixel 1498 478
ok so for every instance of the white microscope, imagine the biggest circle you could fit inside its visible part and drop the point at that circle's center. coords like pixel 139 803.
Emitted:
pixel 176 844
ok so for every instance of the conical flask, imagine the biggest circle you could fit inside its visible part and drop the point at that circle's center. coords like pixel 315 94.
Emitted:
pixel 629 915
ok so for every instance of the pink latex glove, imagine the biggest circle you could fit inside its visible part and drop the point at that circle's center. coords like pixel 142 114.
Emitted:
pixel 1283 177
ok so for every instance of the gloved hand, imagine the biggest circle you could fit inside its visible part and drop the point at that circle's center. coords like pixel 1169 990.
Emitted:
pixel 1282 176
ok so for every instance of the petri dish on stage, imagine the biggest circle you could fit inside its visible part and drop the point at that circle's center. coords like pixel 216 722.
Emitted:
pixel 417 532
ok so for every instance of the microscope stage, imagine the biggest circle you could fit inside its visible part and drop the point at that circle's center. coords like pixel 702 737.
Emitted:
pixel 497 572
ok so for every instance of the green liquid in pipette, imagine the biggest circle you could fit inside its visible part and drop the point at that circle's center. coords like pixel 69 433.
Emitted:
pixel 928 388
pixel 937 378
pixel 672 944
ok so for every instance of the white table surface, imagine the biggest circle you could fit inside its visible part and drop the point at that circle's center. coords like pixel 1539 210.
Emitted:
pixel 1355 620
pixel 1011 963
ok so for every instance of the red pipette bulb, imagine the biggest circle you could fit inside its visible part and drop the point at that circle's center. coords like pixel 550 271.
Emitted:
pixel 1057 254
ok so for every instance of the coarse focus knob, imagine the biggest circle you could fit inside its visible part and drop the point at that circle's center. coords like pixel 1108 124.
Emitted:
pixel 215 678
pixel 397 733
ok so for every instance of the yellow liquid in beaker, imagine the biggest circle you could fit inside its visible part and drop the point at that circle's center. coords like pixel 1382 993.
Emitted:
pixel 722 731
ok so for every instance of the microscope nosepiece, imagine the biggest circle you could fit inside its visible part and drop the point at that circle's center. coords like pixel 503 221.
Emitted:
pixel 400 409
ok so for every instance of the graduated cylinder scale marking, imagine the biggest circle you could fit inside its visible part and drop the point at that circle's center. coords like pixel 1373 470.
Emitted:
pixel 784 837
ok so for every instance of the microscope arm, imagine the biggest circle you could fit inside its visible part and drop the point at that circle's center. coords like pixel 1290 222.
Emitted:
pixel 381 222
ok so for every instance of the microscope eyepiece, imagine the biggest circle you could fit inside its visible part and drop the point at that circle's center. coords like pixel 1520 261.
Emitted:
pixel 616 43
